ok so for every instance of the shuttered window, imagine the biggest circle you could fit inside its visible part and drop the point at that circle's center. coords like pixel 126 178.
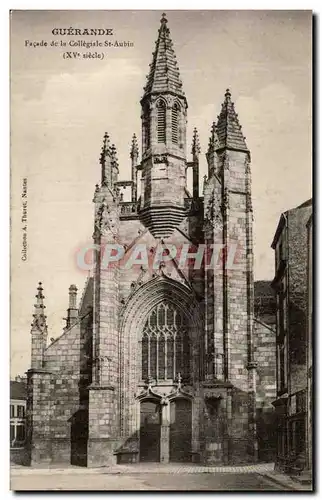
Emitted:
pixel 175 124
pixel 161 121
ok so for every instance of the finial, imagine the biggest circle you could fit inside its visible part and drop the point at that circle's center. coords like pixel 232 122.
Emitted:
pixel 163 19
pixel 227 95
pixel 39 291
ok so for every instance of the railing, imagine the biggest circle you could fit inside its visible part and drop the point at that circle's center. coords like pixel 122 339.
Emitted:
pixel 129 208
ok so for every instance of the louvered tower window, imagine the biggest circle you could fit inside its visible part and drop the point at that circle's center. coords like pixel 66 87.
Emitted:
pixel 175 124
pixel 146 126
pixel 165 344
pixel 161 121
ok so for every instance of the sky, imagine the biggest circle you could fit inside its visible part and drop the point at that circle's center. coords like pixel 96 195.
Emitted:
pixel 60 109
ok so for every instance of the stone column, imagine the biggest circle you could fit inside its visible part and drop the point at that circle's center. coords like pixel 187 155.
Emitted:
pixel 165 433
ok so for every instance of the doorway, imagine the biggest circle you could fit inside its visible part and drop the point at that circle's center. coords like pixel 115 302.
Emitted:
pixel 150 431
pixel 180 430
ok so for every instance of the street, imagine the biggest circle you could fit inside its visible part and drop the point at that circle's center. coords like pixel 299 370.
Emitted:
pixel 149 481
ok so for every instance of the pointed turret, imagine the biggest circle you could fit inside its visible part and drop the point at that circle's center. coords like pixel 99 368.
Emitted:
pixel 228 129
pixel 164 72
pixel 134 161
pixel 38 330
pixel 195 150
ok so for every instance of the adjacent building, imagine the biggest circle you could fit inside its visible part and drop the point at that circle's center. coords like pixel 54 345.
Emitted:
pixel 161 362
pixel 18 402
pixel 292 342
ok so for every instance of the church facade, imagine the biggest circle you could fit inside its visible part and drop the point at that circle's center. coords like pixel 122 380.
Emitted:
pixel 163 359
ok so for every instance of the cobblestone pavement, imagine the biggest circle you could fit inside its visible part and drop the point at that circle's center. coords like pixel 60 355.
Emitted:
pixel 147 468
pixel 147 481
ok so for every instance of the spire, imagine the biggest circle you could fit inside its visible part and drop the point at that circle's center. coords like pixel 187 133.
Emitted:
pixel 164 72
pixel 39 321
pixel 228 128
pixel 195 150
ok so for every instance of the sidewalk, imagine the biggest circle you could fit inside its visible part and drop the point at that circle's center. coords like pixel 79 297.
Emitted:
pixel 286 481
pixel 142 468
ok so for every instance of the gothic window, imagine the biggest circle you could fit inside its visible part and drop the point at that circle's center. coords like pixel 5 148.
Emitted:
pixel 175 123
pixel 161 121
pixel 165 344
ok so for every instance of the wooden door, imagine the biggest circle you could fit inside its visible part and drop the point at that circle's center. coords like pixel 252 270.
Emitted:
pixel 180 430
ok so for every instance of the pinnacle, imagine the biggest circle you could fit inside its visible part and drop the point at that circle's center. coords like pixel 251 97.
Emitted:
pixel 195 150
pixel 134 147
pixel 228 127
pixel 39 320
pixel 163 19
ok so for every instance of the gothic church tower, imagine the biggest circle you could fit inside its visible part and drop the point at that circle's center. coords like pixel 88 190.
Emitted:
pixel 164 115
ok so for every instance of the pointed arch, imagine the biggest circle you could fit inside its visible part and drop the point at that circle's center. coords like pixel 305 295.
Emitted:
pixel 134 318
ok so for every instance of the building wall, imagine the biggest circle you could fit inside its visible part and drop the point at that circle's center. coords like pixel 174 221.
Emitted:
pixel 265 352
pixel 291 283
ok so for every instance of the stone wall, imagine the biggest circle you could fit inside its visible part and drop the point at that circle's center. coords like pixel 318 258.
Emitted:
pixel 265 356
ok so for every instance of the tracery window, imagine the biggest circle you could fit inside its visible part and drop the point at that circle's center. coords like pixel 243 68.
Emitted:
pixel 161 121
pixel 175 123
pixel 165 344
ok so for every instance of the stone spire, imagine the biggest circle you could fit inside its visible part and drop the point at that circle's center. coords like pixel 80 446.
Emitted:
pixel 38 331
pixel 228 128
pixel 164 72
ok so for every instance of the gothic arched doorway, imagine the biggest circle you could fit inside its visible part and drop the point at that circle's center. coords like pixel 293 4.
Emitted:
pixel 180 430
pixel 150 430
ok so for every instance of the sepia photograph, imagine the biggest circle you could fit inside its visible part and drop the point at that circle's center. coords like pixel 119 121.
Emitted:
pixel 161 228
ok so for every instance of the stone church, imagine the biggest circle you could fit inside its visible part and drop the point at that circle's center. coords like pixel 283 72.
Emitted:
pixel 168 362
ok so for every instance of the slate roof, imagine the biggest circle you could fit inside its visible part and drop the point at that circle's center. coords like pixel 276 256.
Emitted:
pixel 18 390
pixel 228 129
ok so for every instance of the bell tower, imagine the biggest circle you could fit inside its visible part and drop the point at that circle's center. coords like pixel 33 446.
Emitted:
pixel 164 115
